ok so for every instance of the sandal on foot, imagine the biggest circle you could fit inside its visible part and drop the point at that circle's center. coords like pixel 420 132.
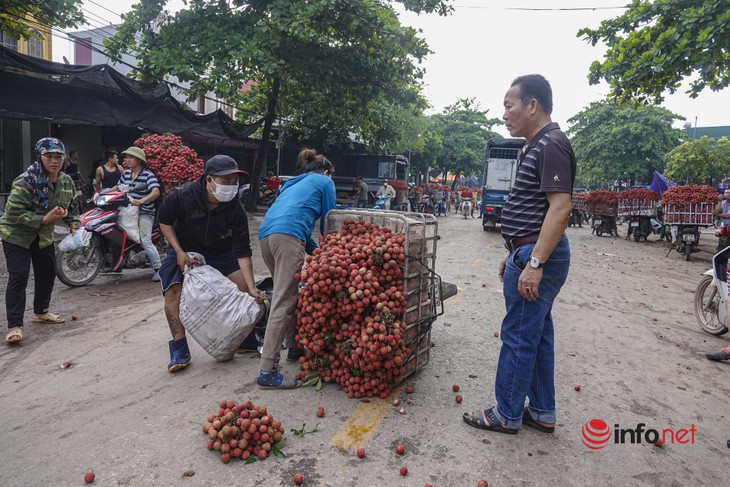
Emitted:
pixel 723 354
pixel 47 318
pixel 527 420
pixel 276 380
pixel 486 420
pixel 15 335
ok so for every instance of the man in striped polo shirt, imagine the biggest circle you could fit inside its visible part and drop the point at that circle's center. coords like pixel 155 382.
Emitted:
pixel 535 265
pixel 144 189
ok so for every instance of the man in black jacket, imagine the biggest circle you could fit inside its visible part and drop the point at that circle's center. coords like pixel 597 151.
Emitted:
pixel 204 216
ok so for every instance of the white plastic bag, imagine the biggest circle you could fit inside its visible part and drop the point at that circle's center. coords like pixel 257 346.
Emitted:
pixel 74 241
pixel 128 219
pixel 215 313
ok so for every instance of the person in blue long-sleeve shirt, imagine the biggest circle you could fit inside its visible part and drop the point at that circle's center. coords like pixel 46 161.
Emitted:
pixel 285 236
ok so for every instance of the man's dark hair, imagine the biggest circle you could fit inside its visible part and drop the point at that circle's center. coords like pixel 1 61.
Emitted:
pixel 109 154
pixel 71 153
pixel 537 87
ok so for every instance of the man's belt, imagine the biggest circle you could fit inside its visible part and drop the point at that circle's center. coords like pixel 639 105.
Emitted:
pixel 513 243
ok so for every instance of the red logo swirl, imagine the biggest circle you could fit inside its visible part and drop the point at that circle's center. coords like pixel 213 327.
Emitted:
pixel 596 434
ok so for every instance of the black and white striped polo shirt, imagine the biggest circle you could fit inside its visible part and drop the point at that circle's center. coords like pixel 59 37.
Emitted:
pixel 546 165
pixel 140 187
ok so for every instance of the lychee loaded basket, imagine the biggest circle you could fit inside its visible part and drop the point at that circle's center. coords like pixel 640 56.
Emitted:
pixel 422 286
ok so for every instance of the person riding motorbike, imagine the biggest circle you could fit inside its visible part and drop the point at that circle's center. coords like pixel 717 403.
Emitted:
pixel 386 191
pixel 468 195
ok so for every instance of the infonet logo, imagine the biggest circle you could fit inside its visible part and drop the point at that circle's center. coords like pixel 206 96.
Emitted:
pixel 596 434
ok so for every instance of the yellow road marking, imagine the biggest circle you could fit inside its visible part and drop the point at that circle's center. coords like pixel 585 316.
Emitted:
pixel 360 427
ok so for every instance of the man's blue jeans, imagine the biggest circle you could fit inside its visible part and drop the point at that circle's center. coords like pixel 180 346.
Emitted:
pixel 526 361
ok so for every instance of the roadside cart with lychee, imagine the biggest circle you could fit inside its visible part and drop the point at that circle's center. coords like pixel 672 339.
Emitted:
pixel 602 206
pixel 369 298
pixel 639 209
pixel 687 209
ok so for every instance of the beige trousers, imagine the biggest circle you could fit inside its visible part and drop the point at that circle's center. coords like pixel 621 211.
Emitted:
pixel 284 256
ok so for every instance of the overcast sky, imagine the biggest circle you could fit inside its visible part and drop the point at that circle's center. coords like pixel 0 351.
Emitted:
pixel 480 48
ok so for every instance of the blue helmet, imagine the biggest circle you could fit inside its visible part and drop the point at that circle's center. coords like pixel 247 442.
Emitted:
pixel 48 145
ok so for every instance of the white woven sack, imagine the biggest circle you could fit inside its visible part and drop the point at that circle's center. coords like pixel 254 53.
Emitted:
pixel 128 219
pixel 215 313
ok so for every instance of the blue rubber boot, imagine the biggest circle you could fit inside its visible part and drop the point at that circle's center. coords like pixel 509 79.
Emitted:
pixel 179 354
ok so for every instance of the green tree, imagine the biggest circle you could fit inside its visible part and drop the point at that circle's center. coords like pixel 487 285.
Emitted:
pixel 331 63
pixel 463 129
pixel 699 161
pixel 617 142
pixel 656 44
pixel 15 15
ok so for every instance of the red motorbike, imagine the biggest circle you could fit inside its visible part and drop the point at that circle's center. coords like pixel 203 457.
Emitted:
pixel 110 250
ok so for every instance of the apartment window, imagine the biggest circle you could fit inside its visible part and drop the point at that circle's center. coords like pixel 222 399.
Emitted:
pixel 35 44
pixel 8 42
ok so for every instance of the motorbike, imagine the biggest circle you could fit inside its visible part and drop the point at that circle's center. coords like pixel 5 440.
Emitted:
pixel 641 226
pixel 109 249
pixel 266 197
pixel 491 216
pixel 604 224
pixel 427 205
pixel 380 203
pixel 711 294
pixel 466 208
pixel 576 218
pixel 685 239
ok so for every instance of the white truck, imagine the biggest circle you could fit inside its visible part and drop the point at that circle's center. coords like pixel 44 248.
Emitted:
pixel 500 168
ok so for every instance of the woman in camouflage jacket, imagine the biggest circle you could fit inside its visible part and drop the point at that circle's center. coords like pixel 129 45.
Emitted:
pixel 40 197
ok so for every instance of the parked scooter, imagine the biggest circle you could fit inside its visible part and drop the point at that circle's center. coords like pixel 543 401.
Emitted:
pixel 685 239
pixel 604 224
pixel 711 294
pixel 576 218
pixel 264 199
pixel 109 250
pixel 641 226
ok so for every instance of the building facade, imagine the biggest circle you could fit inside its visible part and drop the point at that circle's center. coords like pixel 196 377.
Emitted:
pixel 17 137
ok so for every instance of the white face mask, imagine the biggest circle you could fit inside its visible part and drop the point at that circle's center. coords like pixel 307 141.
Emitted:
pixel 225 192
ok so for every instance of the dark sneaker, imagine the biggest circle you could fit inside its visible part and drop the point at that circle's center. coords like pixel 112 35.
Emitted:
pixel 293 354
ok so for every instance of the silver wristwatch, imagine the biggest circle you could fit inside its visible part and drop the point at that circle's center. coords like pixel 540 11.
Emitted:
pixel 535 263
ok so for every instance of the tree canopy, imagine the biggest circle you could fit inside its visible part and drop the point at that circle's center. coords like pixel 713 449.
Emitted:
pixel 455 140
pixel 699 161
pixel 328 68
pixel 618 142
pixel 337 62
pixel 656 44
pixel 16 14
